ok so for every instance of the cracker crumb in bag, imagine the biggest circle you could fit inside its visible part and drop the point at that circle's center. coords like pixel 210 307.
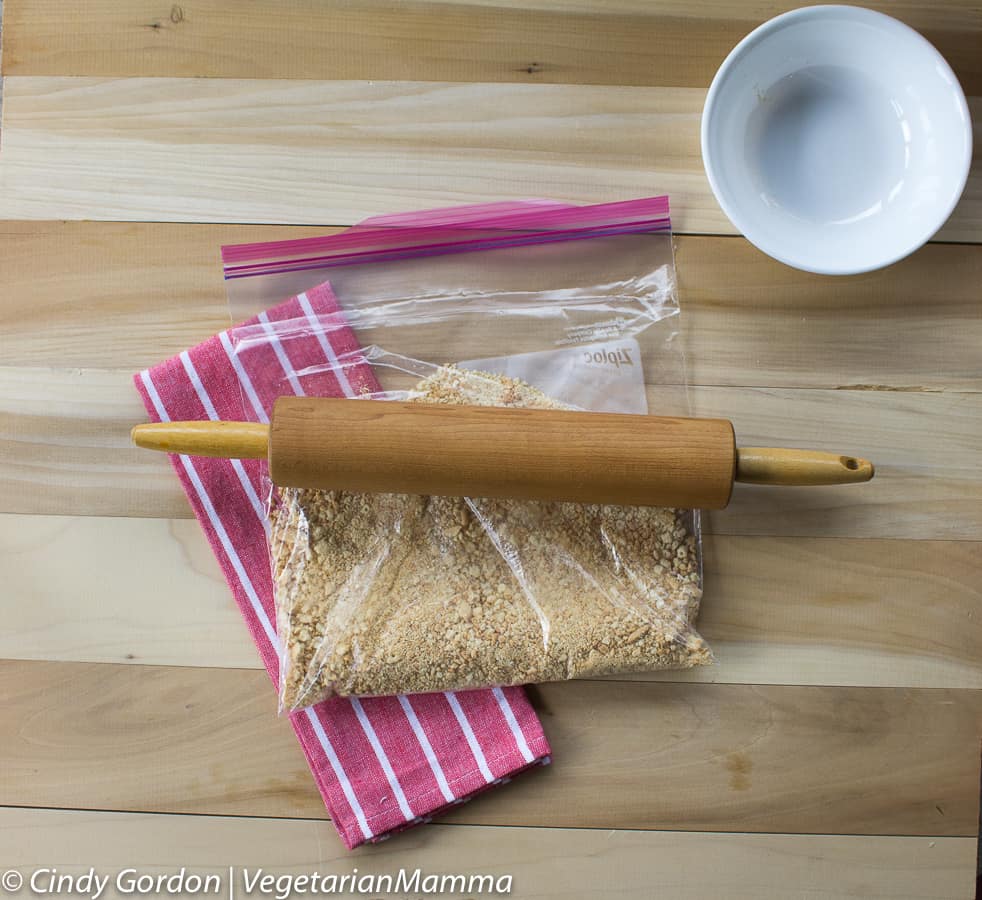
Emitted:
pixel 398 593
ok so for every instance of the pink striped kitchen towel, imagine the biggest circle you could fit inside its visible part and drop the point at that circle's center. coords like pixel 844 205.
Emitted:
pixel 381 763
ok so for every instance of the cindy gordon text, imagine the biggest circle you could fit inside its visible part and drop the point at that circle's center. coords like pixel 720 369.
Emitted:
pixel 249 882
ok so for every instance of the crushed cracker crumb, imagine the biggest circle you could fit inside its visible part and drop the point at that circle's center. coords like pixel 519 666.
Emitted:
pixel 397 593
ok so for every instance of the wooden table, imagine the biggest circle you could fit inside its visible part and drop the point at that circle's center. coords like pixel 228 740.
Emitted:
pixel 834 751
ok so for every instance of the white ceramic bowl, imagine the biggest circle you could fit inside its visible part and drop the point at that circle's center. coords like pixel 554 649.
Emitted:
pixel 836 139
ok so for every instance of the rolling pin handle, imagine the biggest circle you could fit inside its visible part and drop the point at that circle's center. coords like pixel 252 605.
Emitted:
pixel 782 466
pixel 228 440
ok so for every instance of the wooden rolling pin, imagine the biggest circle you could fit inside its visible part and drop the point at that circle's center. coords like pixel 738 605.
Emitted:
pixel 481 451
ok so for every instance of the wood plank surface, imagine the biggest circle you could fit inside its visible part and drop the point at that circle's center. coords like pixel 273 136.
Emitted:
pixel 666 756
pixel 87 606
pixel 917 492
pixel 669 43
pixel 64 436
pixel 776 610
pixel 255 150
pixel 749 320
pixel 834 750
pixel 69 290
pixel 576 864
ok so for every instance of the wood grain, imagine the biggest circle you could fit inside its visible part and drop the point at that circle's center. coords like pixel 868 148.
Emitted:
pixel 230 150
pixel 833 611
pixel 776 610
pixel 917 492
pixel 575 864
pixel 748 320
pixel 664 756
pixel 64 441
pixel 69 290
pixel 69 429
pixel 86 607
pixel 565 41
pixel 254 150
pixel 332 444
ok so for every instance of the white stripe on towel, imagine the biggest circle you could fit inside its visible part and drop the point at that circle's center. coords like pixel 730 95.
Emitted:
pixel 243 377
pixel 383 758
pixel 424 742
pixel 516 731
pixel 237 466
pixel 280 352
pixel 336 367
pixel 472 742
pixel 340 774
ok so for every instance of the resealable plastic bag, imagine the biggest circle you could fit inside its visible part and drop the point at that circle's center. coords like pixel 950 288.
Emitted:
pixel 531 304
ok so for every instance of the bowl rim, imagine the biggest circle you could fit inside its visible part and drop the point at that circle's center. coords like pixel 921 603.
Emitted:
pixel 745 45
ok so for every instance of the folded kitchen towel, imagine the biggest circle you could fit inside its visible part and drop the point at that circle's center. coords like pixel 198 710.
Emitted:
pixel 381 763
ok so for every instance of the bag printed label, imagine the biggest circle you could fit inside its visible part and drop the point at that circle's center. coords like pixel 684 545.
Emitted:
pixel 604 377
pixel 614 356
